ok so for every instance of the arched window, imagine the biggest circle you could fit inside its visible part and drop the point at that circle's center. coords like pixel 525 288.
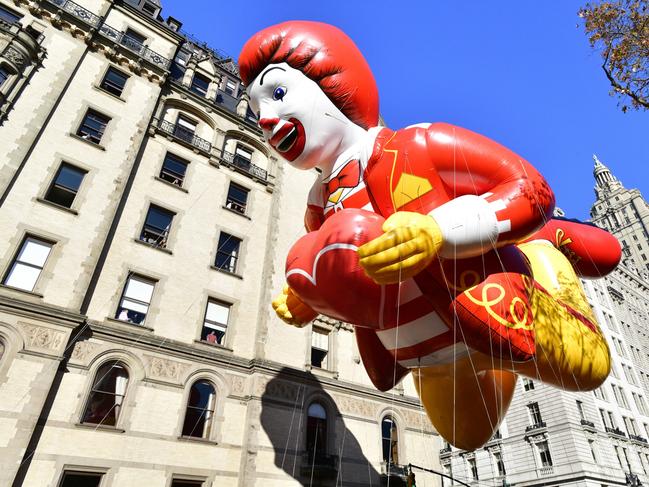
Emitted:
pixel 107 394
pixel 390 440
pixel 316 431
pixel 200 410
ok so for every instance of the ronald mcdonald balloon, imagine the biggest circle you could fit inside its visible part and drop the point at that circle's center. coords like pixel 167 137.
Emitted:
pixel 437 243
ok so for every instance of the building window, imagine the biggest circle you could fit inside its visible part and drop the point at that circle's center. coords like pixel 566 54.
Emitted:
pixel 215 324
pixel 316 431
pixel 580 408
pixel 65 186
pixel 135 301
pixel 185 129
pixel 528 384
pixel 133 40
pixel 80 479
pixel 390 441
pixel 200 84
pixel 151 10
pixel 544 453
pixel 93 126
pixel 243 156
pixel 535 413
pixel 156 226
pixel 107 394
pixel 4 75
pixel 237 198
pixel 28 264
pixel 114 81
pixel 473 467
pixel 200 410
pixel 229 86
pixel 173 169
pixel 591 444
pixel 9 15
pixel 500 464
pixel 187 483
pixel 319 348
pixel 227 253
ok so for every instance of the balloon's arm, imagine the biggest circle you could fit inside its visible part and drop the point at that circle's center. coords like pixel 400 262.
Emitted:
pixel 500 197
pixel 292 310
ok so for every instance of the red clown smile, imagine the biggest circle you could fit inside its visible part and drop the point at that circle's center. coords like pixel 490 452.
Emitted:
pixel 289 140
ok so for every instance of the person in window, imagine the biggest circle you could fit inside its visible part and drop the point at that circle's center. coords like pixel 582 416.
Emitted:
pixel 438 214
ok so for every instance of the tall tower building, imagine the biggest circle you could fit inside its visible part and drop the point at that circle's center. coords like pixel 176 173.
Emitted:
pixel 624 213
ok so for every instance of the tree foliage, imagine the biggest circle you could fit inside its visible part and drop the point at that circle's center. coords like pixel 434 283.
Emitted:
pixel 620 30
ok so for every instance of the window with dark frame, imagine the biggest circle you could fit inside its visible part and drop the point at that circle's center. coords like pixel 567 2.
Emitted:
pixel 390 441
pixel 187 483
pixel 200 84
pixel 93 126
pixel 528 384
pixel 80 479
pixel 319 348
pixel 149 8
pixel 134 304
pixel 500 464
pixel 535 413
pixel 114 81
pixel 474 468
pixel 215 324
pixel 9 15
pixel 185 129
pixel 229 86
pixel 107 394
pixel 544 453
pixel 173 169
pixel 133 40
pixel 227 253
pixel 200 410
pixel 28 263
pixel 65 185
pixel 316 431
pixel 237 198
pixel 4 75
pixel 156 227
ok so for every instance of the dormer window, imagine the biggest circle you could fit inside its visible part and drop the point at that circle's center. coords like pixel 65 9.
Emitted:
pixel 200 84
pixel 150 9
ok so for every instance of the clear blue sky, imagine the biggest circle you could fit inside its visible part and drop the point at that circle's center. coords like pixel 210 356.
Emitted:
pixel 521 73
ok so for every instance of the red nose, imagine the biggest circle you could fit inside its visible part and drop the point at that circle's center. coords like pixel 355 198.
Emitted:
pixel 268 123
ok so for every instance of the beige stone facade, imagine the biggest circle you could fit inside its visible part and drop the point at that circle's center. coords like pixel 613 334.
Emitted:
pixel 141 211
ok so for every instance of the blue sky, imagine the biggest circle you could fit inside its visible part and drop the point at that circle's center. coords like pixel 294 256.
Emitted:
pixel 521 73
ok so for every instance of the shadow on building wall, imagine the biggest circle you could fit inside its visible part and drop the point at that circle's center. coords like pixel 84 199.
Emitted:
pixel 310 440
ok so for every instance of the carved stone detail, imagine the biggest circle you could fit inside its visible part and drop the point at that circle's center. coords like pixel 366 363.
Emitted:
pixel 237 384
pixel 15 57
pixel 42 338
pixel 82 350
pixel 415 420
pixel 278 389
pixel 356 407
pixel 164 368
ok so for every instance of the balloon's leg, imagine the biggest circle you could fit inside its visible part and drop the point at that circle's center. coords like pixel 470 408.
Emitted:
pixel 466 406
pixel 571 351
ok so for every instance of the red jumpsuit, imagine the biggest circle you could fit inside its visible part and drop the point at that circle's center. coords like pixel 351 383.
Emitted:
pixel 477 293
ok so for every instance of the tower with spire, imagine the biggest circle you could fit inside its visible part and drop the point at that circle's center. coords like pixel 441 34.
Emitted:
pixel 624 213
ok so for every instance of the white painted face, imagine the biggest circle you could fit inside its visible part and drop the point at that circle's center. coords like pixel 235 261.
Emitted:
pixel 297 118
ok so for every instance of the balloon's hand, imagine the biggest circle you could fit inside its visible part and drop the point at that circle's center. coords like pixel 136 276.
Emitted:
pixel 410 242
pixel 291 309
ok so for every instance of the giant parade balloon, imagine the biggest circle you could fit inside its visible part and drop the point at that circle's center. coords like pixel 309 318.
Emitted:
pixel 436 243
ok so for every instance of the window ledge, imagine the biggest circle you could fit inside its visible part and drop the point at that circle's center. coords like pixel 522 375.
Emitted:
pixel 57 206
pixel 322 372
pixel 89 142
pixel 238 276
pixel 99 88
pixel 24 291
pixel 198 440
pixel 155 247
pixel 213 345
pixel 236 212
pixel 180 188
pixel 129 324
pixel 103 427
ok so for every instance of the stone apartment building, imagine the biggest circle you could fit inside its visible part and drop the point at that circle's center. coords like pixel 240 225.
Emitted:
pixel 145 224
pixel 594 439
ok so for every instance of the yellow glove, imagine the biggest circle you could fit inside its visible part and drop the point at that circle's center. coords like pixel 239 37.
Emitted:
pixel 410 242
pixel 291 309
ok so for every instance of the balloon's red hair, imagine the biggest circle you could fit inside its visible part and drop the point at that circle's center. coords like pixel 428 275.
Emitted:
pixel 324 54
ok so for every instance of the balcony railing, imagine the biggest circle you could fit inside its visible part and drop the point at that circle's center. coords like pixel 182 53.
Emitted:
pixel 638 438
pixel 243 164
pixel 445 451
pixel 549 470
pixel 589 424
pixel 615 431
pixel 181 133
pixel 536 426
pixel 110 33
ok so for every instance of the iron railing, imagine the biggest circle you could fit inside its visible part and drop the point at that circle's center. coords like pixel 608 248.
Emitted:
pixel 585 422
pixel 638 438
pixel 244 164
pixel 615 431
pixel 110 33
pixel 181 133
pixel 536 426
pixel 549 470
